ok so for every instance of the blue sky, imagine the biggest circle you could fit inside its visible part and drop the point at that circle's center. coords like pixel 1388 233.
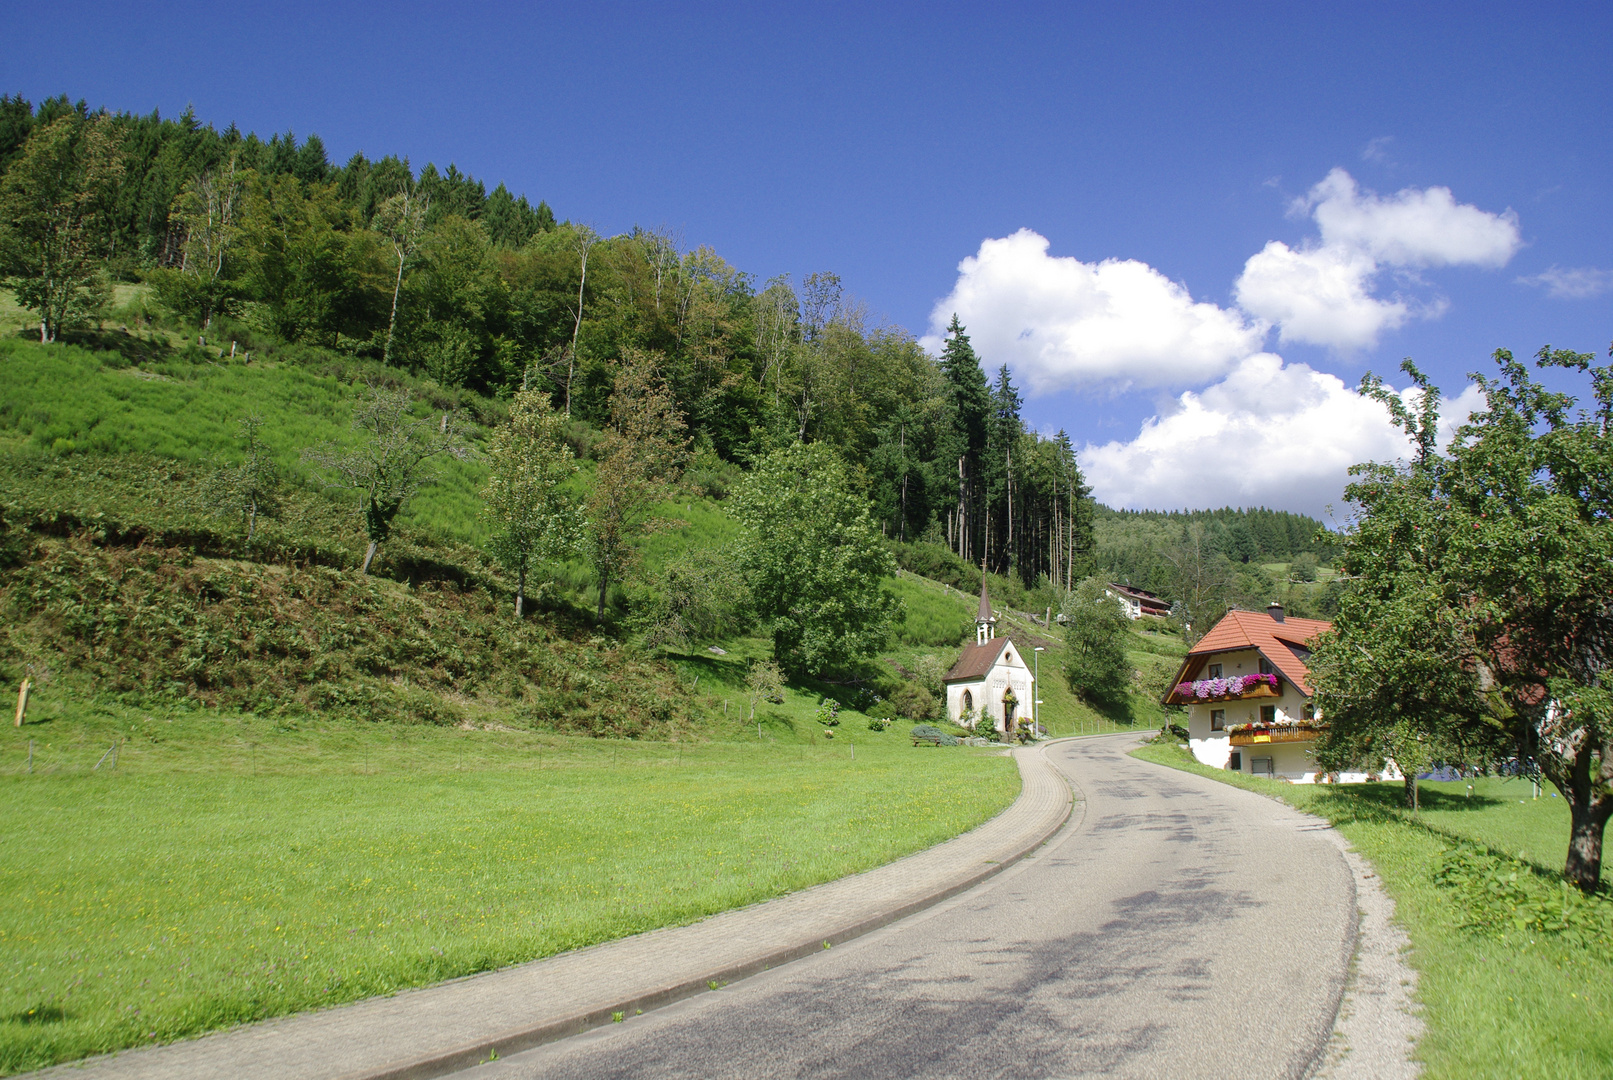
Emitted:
pixel 890 142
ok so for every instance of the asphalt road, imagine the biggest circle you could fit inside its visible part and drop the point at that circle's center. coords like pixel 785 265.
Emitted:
pixel 1176 927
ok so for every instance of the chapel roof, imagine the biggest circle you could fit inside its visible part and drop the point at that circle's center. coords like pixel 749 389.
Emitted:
pixel 977 660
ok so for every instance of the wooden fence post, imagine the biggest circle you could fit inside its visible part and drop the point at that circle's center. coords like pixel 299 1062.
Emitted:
pixel 22 700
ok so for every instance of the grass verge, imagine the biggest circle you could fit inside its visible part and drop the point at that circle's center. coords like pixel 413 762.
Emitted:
pixel 1514 973
pixel 230 869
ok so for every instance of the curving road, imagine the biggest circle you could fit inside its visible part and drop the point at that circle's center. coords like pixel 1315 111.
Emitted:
pixel 1176 927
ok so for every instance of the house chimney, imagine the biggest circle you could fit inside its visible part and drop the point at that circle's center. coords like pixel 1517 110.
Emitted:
pixel 1275 610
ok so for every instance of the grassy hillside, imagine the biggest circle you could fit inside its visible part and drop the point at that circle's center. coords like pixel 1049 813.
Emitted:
pixel 115 546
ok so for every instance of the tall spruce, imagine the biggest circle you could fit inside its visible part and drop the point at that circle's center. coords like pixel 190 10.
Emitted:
pixel 970 400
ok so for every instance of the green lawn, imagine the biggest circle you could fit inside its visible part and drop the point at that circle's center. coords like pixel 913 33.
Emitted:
pixel 229 869
pixel 1520 1001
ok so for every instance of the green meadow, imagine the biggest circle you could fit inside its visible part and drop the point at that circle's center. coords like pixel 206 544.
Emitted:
pixel 229 869
pixel 1515 974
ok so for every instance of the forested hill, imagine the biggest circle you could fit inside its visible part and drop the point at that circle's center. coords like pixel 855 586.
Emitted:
pixel 213 237
pixel 161 157
pixel 1243 535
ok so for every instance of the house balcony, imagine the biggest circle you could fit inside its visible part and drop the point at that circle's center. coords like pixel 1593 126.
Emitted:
pixel 1237 688
pixel 1262 734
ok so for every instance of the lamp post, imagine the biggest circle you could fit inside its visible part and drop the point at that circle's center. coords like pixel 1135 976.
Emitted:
pixel 1036 688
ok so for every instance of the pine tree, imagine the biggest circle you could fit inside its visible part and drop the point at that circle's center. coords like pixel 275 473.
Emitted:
pixel 970 402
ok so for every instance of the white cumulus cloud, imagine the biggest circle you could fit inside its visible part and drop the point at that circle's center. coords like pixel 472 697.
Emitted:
pixel 1273 434
pixel 1413 227
pixel 1322 293
pixel 1060 322
pixel 1318 295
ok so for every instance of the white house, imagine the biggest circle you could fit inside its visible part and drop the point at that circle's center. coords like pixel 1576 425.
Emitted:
pixel 990 681
pixel 1137 602
pixel 1248 693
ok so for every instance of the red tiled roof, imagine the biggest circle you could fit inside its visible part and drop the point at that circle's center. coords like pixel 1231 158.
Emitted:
pixel 976 660
pixel 1257 630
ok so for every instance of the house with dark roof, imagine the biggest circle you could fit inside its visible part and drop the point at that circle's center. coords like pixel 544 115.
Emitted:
pixel 1249 697
pixel 1137 602
pixel 990 683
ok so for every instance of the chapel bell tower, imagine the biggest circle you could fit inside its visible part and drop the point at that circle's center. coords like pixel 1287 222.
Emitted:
pixel 985 623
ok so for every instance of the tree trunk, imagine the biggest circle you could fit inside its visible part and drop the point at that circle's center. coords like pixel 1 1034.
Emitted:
pixel 1411 789
pixel 576 328
pixel 604 588
pixel 391 323
pixel 1588 822
pixel 251 520
pixel 963 517
pixel 520 591
pixel 1008 484
pixel 369 556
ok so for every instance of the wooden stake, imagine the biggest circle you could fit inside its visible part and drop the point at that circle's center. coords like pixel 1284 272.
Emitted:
pixel 22 700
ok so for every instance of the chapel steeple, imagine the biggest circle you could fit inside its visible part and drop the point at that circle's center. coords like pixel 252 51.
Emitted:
pixel 985 622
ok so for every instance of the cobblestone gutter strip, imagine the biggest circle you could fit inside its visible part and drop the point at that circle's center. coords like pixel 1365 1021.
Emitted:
pixel 426 1033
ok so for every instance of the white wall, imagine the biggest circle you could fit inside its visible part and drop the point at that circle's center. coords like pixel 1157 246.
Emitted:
pixel 989 690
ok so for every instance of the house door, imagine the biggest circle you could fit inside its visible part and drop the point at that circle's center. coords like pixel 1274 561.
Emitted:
pixel 1008 713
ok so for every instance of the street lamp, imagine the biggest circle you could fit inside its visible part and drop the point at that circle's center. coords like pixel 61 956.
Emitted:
pixel 1036 689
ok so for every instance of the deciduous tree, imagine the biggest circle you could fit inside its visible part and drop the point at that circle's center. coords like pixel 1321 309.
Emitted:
pixel 1499 576
pixel 397 453
pixel 252 487
pixel 1095 645
pixel 528 462
pixel 53 201
pixel 402 220
pixel 642 456
pixel 814 561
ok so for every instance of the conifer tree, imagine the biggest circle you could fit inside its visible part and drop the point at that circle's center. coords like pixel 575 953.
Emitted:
pixel 970 400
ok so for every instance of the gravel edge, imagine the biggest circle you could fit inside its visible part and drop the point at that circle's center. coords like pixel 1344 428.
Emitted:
pixel 1379 1021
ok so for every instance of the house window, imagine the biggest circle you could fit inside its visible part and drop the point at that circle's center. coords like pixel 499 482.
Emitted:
pixel 1309 712
pixel 1235 762
pixel 1215 671
pixel 1265 667
pixel 1218 719
pixel 1261 765
pixel 968 701
pixel 1268 714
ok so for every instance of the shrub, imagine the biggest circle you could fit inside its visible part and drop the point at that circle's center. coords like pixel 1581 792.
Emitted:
pixel 1495 894
pixel 878 723
pixel 928 671
pixel 883 710
pixel 828 712
pixel 914 702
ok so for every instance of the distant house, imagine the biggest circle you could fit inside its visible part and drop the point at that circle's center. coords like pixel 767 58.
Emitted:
pixel 1249 697
pixel 1137 602
pixel 990 683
